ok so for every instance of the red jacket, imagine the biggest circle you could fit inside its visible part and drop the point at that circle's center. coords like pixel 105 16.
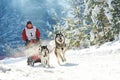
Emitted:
pixel 24 37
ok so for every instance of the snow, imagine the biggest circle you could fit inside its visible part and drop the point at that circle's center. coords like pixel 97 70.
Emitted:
pixel 108 14
pixel 99 0
pixel 109 3
pixel 87 10
pixel 95 12
pixel 92 36
pixel 94 63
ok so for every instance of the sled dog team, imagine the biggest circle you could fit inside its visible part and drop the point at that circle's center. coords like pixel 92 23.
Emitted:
pixel 43 57
pixel 32 35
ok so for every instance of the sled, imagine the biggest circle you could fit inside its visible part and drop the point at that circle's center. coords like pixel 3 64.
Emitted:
pixel 34 58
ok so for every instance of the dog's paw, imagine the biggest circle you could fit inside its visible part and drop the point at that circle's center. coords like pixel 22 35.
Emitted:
pixel 63 63
pixel 43 66
pixel 65 60
pixel 32 64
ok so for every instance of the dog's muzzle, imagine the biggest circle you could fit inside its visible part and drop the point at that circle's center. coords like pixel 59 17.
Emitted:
pixel 60 40
pixel 45 54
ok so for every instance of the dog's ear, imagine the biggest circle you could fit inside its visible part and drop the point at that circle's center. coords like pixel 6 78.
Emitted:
pixel 39 45
pixel 60 32
pixel 39 48
pixel 56 35
pixel 42 47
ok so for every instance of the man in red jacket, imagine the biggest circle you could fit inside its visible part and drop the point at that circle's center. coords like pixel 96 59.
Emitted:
pixel 30 34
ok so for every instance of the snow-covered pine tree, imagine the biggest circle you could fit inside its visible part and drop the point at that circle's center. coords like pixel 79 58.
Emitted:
pixel 99 17
pixel 115 10
pixel 74 31
pixel 103 26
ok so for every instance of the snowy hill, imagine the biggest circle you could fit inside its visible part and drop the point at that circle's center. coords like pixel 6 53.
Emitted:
pixel 94 63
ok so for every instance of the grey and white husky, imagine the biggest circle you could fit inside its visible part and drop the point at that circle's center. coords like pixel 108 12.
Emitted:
pixel 60 47
pixel 44 55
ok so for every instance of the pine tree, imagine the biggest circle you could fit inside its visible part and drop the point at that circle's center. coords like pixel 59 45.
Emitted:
pixel 74 25
pixel 99 23
pixel 116 17
pixel 103 25
pixel 97 13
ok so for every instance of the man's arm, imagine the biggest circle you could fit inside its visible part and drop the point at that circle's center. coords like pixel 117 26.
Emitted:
pixel 24 37
pixel 37 34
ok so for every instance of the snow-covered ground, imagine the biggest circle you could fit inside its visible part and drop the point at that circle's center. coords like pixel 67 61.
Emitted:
pixel 94 63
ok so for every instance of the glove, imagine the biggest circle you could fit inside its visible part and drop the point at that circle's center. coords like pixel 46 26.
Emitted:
pixel 37 39
pixel 27 42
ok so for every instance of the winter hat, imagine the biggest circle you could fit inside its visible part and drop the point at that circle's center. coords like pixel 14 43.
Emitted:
pixel 29 22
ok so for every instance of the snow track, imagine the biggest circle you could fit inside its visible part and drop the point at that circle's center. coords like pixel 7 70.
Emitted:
pixel 93 63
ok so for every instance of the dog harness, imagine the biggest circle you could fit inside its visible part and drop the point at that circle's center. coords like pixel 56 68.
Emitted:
pixel 31 33
pixel 60 46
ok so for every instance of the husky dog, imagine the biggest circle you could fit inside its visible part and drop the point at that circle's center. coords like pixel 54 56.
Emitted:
pixel 44 55
pixel 60 47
